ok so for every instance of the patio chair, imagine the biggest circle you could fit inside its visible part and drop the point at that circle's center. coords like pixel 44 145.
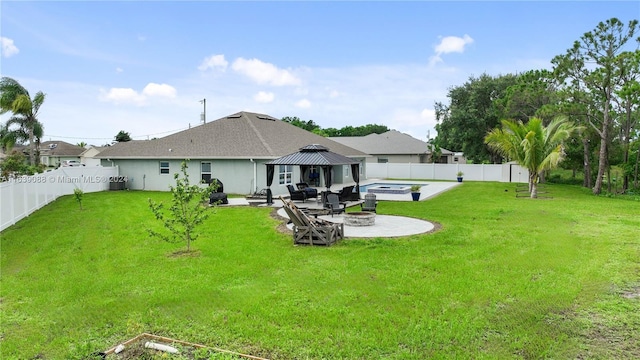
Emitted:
pixel 370 203
pixel 347 194
pixel 311 192
pixel 296 194
pixel 333 204
pixel 311 231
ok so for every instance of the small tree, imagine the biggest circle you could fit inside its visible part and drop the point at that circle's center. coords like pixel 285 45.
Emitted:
pixel 77 193
pixel 532 145
pixel 13 165
pixel 187 210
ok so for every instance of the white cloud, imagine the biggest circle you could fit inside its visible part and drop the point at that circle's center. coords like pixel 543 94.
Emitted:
pixel 214 62
pixel 123 96
pixel 264 97
pixel 334 94
pixel 429 115
pixel 8 48
pixel 303 104
pixel 119 70
pixel 450 44
pixel 131 96
pixel 264 73
pixel 162 90
pixel 142 37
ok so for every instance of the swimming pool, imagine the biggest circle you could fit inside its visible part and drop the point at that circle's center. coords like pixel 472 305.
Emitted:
pixel 387 188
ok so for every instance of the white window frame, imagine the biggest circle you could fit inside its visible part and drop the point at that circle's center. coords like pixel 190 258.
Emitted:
pixel 166 168
pixel 203 173
pixel 285 174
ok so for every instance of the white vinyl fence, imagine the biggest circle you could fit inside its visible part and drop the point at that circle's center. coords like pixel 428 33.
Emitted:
pixel 21 196
pixel 509 172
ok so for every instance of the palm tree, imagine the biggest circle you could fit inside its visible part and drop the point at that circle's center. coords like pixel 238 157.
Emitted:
pixel 7 139
pixel 532 145
pixel 15 98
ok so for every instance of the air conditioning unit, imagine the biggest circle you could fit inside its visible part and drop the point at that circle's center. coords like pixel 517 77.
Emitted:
pixel 53 146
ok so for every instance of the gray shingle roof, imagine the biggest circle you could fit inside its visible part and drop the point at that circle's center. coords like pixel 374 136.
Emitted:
pixel 242 135
pixel 60 148
pixel 390 142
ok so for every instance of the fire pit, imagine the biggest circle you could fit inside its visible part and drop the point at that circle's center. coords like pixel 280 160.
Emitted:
pixel 361 218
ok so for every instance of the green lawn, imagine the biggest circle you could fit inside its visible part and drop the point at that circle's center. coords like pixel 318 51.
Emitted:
pixel 503 278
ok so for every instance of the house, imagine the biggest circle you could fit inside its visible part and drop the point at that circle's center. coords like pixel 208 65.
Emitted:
pixel 53 153
pixel 394 147
pixel 88 158
pixel 233 149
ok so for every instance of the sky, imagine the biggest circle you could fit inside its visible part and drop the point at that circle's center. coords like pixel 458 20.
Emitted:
pixel 145 66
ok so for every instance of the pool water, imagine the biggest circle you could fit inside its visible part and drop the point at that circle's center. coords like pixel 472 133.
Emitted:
pixel 387 188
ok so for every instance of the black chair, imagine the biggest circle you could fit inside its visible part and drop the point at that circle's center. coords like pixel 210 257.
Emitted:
pixel 296 194
pixel 333 204
pixel 218 196
pixel 347 194
pixel 311 192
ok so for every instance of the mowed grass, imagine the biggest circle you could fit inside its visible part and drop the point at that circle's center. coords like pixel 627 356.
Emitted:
pixel 503 278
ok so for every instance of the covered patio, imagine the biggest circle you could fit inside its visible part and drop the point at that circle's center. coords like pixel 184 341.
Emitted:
pixel 312 157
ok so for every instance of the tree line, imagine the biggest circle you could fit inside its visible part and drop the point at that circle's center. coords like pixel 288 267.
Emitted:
pixel 595 84
pixel 311 126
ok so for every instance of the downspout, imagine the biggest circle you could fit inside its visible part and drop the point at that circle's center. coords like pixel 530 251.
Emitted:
pixel 255 176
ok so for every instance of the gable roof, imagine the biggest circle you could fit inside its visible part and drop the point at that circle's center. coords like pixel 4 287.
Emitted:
pixel 243 135
pixel 391 142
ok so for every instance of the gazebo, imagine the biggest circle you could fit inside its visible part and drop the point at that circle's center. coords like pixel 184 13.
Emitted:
pixel 313 155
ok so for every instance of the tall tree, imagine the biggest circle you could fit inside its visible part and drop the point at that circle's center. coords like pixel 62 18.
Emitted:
pixel 593 63
pixel 534 94
pixel 307 125
pixel 122 136
pixel 532 145
pixel 471 113
pixel 7 138
pixel 627 101
pixel 15 98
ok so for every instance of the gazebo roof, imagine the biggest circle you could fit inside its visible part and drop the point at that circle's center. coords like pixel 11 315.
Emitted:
pixel 313 154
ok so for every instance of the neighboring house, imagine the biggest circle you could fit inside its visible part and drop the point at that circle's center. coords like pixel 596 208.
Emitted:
pixel 53 153
pixel 394 147
pixel 233 149
pixel 88 156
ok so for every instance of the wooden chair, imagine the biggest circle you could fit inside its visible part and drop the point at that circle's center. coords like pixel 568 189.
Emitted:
pixel 370 203
pixel 311 231
pixel 333 204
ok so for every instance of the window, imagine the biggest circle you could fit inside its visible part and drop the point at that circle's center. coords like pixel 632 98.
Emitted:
pixel 205 172
pixel 285 174
pixel 383 160
pixel 164 167
pixel 455 159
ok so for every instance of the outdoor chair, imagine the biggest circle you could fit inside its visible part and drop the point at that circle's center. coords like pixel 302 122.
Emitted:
pixel 370 203
pixel 347 194
pixel 218 197
pixel 333 204
pixel 311 192
pixel 311 231
pixel 296 194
